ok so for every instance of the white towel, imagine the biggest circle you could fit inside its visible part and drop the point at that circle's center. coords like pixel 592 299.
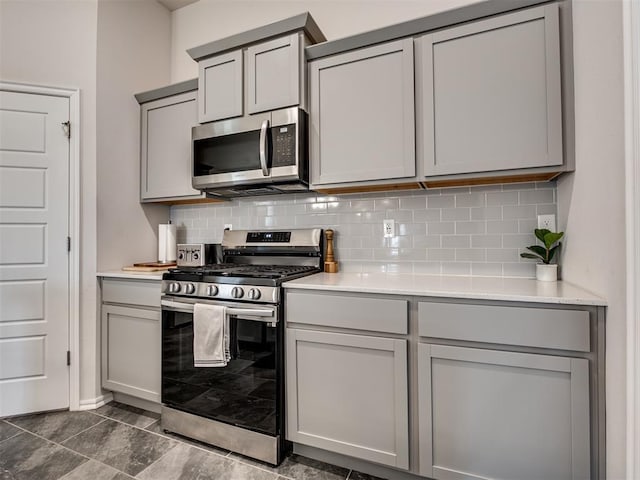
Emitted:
pixel 210 336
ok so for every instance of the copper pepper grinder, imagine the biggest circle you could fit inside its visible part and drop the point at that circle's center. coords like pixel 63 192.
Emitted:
pixel 330 264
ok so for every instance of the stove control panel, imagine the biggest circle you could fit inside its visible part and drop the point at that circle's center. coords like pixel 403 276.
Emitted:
pixel 222 291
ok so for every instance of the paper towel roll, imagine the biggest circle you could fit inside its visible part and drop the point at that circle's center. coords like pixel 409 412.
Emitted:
pixel 166 243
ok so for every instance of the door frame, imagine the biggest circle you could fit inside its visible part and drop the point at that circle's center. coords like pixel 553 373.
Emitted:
pixel 73 94
pixel 631 47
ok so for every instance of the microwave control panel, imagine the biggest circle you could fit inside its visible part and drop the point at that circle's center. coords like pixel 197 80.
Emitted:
pixel 284 145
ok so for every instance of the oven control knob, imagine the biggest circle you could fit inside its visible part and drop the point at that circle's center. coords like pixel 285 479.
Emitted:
pixel 189 288
pixel 237 292
pixel 212 291
pixel 174 287
pixel 254 294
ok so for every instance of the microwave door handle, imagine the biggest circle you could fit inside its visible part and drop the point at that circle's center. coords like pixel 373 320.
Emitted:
pixel 263 147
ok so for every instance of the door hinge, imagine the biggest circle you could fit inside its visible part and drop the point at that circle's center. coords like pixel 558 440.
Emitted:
pixel 66 128
pixel 68 357
pixel 68 244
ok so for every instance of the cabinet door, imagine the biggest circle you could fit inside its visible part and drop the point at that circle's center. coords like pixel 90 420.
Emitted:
pixel 166 148
pixel 274 74
pixel 131 340
pixel 220 85
pixel 348 394
pixel 362 115
pixel 487 414
pixel 492 96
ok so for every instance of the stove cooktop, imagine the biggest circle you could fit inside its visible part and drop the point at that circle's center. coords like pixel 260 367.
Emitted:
pixel 239 273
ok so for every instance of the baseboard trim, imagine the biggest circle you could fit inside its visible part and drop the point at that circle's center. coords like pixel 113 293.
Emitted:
pixel 93 403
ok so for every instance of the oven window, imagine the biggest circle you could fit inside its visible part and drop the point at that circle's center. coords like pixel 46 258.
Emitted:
pixel 226 154
pixel 244 393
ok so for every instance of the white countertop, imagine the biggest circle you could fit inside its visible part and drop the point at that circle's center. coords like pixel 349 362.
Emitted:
pixel 482 288
pixel 132 275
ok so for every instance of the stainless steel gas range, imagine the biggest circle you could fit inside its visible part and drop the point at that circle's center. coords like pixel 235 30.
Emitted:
pixel 239 406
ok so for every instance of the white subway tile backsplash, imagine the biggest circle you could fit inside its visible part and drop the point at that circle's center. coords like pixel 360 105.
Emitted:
pixel 456 268
pixel 528 197
pixel 503 255
pixel 470 227
pixel 456 214
pixel 518 211
pixel 427 241
pixel 428 268
pixel 414 203
pixel 456 241
pixel 502 226
pixel 441 201
pixel 386 204
pixel 441 254
pixel 486 241
pixel 470 255
pixel 440 228
pixel 546 209
pixel 519 269
pixel 486 213
pixel 475 199
pixel 522 240
pixel 502 198
pixel 456 231
pixel 486 269
pixel 427 215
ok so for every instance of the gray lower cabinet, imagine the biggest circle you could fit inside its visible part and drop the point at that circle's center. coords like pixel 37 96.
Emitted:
pixel 491 95
pixel 131 337
pixel 348 394
pixel 362 120
pixel 165 149
pixel 486 414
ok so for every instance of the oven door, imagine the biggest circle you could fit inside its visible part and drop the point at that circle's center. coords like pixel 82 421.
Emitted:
pixel 249 391
pixel 231 152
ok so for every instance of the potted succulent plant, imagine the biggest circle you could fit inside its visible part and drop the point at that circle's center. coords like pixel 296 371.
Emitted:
pixel 545 271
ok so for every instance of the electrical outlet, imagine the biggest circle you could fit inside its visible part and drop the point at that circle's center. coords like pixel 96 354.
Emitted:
pixel 389 228
pixel 228 226
pixel 547 221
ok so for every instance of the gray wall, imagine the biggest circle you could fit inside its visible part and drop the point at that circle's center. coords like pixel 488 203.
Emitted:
pixel 459 231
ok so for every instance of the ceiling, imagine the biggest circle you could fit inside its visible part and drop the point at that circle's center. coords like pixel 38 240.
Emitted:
pixel 175 4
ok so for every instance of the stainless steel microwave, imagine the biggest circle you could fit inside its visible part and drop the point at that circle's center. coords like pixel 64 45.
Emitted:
pixel 256 155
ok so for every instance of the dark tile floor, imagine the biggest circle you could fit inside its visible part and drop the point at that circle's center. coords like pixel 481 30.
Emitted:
pixel 119 442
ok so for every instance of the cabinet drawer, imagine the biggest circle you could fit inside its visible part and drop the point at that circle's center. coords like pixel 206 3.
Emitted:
pixel 531 327
pixel 131 292
pixel 360 313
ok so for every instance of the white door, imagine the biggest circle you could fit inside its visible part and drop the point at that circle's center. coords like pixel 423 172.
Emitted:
pixel 34 265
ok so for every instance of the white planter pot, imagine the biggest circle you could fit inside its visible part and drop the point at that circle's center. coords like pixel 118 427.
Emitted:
pixel 546 273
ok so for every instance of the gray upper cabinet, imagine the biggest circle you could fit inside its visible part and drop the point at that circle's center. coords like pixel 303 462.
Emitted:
pixel 486 414
pixel 264 76
pixel 362 115
pixel 220 83
pixel 166 148
pixel 274 73
pixel 491 94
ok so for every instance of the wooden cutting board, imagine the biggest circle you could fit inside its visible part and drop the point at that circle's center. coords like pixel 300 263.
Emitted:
pixel 134 268
pixel 155 264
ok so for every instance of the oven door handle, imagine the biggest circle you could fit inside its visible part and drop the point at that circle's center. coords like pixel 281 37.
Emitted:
pixel 253 312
